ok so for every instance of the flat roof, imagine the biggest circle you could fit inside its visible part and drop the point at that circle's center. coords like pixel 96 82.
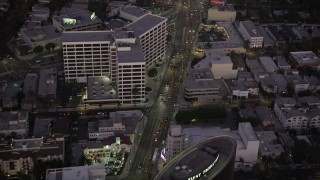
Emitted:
pixel 87 36
pixel 234 40
pixel 281 61
pixel 305 58
pixel 30 84
pixel 79 172
pixel 41 127
pixel 248 131
pixel 100 88
pixel 251 29
pixel 201 79
pixel 47 82
pixel 280 81
pixel 134 55
pixel 134 11
pixel 267 142
pixel 268 64
pixel 145 23
pixel 13 120
pixel 77 18
pixel 264 113
pixel 285 101
pixel 212 58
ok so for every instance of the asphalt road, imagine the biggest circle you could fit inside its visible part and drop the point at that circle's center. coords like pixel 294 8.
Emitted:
pixel 186 24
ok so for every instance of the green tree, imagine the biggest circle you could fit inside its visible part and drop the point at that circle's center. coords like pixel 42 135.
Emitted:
pixel 38 49
pixel 50 46
pixel 152 72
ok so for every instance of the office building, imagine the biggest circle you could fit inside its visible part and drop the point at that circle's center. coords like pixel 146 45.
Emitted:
pixel 152 33
pixel 41 36
pixel 305 58
pixel 251 33
pixel 268 144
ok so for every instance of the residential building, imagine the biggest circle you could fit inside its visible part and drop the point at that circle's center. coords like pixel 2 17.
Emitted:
pixel 30 89
pixel 222 13
pixel 244 88
pixel 247 113
pixel 299 84
pixel 314 83
pixel 151 31
pixel 289 116
pixel 268 144
pixel 274 33
pixel 256 69
pixel 287 141
pixel 78 21
pixel 41 12
pixel 47 83
pixel 268 85
pixel 14 121
pixel 175 142
pixel 282 62
pixel 280 82
pixel 41 36
pixel 21 155
pixel 233 43
pixel 268 64
pixel 250 33
pixel 83 172
pixel 265 115
pixel 267 40
pixel 300 32
pixel 305 58
pixel 220 65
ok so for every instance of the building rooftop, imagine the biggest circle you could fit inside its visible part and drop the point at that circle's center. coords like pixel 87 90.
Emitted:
pixel 281 61
pixel 234 40
pixel 280 81
pixel 30 84
pixel 145 23
pixel 268 143
pixel 134 55
pixel 201 79
pixel 309 100
pixel 264 114
pixel 47 82
pixel 13 120
pixel 134 11
pixel 88 36
pixel 293 113
pixel 285 101
pixel 305 58
pixel 251 29
pixel 248 131
pixel 268 64
pixel 254 65
pixel 80 172
pixel 101 88
pixel 76 19
pixel 312 80
pixel 247 113
pixel 41 127
pixel 212 58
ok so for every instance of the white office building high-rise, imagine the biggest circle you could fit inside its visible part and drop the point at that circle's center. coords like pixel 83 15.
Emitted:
pixel 152 32
pixel 175 141
pixel 89 54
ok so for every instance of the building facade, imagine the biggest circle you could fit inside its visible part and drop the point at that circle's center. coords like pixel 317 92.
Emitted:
pixel 250 33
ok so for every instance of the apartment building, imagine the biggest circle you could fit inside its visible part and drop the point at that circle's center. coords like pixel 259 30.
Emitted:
pixel 14 121
pixel 251 33
pixel 77 21
pixel 21 155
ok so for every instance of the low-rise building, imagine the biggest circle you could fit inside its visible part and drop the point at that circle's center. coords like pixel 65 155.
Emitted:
pixel 305 58
pixel 269 145
pixel 120 122
pixel 314 83
pixel 251 33
pixel 282 63
pixel 41 36
pixel 256 69
pixel 247 113
pixel 281 83
pixel 220 65
pixel 41 12
pixel 201 86
pixel 299 84
pixel 30 89
pixel 265 115
pixel 14 121
pixel 78 21
pixel 268 64
pixel 21 155
pixel 268 85
pixel 222 13
pixel 47 83
pixel 85 172
pixel 175 142
pixel 132 13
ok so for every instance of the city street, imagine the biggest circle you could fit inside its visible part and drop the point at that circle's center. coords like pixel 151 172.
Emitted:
pixel 161 113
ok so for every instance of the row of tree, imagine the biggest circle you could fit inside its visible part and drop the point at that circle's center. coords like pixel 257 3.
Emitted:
pixel 49 47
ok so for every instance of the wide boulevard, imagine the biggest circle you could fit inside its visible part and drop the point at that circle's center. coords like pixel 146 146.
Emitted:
pixel 186 23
